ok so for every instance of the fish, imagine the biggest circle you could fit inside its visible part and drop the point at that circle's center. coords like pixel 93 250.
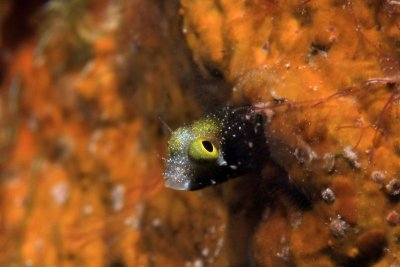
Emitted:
pixel 220 146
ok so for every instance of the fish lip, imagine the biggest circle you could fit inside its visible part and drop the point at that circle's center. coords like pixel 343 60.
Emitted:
pixel 176 184
pixel 183 185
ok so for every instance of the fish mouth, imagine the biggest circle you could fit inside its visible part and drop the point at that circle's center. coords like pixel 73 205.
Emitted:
pixel 177 184
pixel 179 176
pixel 186 183
pixel 182 182
pixel 176 174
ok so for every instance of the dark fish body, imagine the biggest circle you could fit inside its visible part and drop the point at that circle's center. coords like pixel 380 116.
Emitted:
pixel 219 147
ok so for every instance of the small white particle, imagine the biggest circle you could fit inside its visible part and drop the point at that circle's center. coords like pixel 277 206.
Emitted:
pixel 378 176
pixel 233 167
pixel 270 114
pixel 218 247
pixel 274 94
pixel 329 162
pixel 296 221
pixel 284 254
pixel 132 222
pixel 94 140
pixel 338 226
pixel 60 192
pixel 328 195
pixel 156 222
pixel 349 153
pixel 250 144
pixel 262 105
pixel 394 2
pixel 393 187
pixel 205 252
pixel 198 263
pixel 117 196
pixel 352 156
pixel 212 230
pixel 305 155
pixel 87 209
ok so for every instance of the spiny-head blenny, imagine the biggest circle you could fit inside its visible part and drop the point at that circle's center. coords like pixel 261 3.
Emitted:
pixel 223 145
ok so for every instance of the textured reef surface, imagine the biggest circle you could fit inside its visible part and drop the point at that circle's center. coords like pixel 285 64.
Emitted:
pixel 90 88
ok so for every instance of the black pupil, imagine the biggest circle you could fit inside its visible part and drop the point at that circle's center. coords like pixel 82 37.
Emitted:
pixel 208 146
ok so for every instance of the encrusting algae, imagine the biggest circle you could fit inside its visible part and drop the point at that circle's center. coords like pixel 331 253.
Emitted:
pixel 84 87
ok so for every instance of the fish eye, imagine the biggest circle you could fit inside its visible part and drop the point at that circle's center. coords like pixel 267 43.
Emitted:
pixel 203 150
pixel 207 145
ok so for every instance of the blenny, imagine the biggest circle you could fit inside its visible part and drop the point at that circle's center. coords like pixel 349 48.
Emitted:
pixel 221 146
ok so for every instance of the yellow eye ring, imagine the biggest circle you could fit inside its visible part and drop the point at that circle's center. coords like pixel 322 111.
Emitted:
pixel 203 150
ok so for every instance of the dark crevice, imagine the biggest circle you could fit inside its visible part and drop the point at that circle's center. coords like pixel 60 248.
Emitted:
pixel 16 28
